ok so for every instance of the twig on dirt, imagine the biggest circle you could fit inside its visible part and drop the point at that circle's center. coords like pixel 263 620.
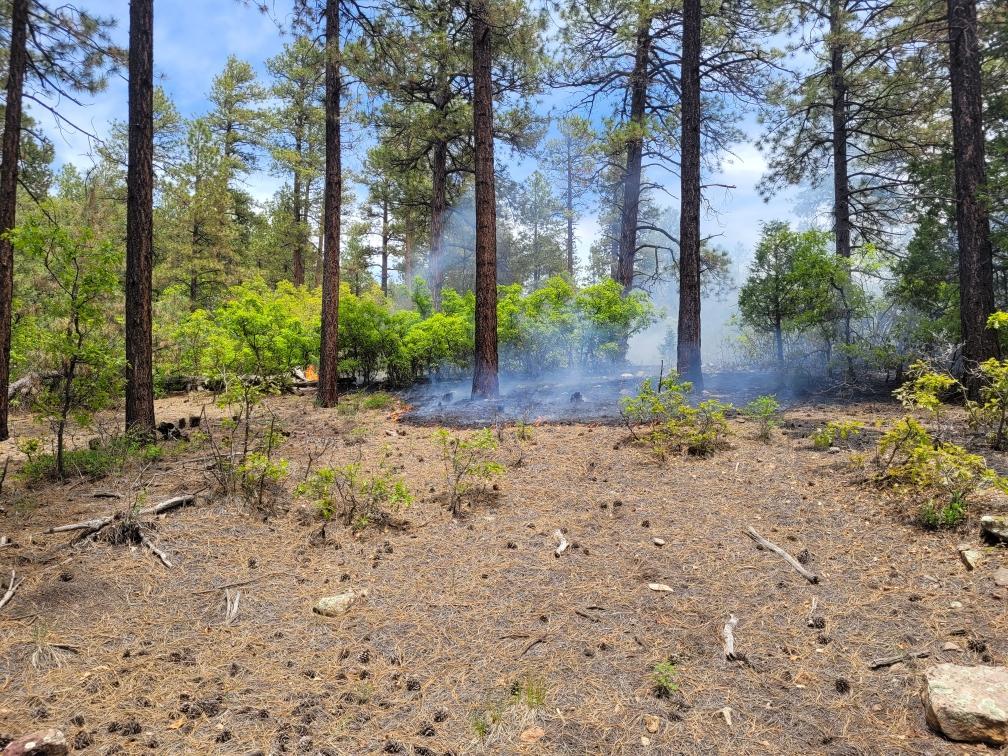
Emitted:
pixel 5 542
pixel 587 616
pixel 798 566
pixel 11 589
pixel 532 644
pixel 224 587
pixel 106 495
pixel 728 635
pixel 159 553
pixel 558 534
pixel 231 608
pixel 810 620
pixel 888 661
pixel 100 522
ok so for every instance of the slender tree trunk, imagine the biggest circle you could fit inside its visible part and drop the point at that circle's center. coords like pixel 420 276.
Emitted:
pixel 297 260
pixel 485 382
pixel 409 241
pixel 328 391
pixel 841 184
pixel 11 155
pixel 140 219
pixel 635 151
pixel 570 209
pixel 688 345
pixel 976 268
pixel 384 247
pixel 439 208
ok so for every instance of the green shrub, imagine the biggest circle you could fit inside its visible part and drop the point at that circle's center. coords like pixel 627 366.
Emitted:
pixel 834 433
pixel 663 679
pixel 763 410
pixel 468 464
pixel 357 499
pixel 666 421
pixel 90 463
pixel 940 478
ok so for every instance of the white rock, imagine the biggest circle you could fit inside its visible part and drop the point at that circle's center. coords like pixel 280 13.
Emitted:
pixel 968 704
pixel 660 587
pixel 659 542
pixel 971 556
pixel 333 606
pixel 955 605
pixel 1001 577
pixel 950 646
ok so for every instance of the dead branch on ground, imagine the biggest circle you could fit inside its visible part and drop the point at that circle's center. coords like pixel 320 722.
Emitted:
pixel 798 566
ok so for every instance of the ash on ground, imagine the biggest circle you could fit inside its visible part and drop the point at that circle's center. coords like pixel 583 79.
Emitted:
pixel 564 398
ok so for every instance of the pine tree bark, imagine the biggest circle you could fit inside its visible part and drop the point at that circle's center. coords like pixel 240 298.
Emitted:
pixel 439 208
pixel 570 209
pixel 976 267
pixel 485 380
pixel 841 183
pixel 328 390
pixel 635 151
pixel 140 219
pixel 384 246
pixel 688 346
pixel 10 157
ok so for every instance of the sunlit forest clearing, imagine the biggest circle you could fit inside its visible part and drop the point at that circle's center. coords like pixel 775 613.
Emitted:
pixel 504 376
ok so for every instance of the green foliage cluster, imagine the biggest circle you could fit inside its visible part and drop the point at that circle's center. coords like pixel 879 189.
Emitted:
pixel 356 498
pixel 91 463
pixel 940 477
pixel 469 464
pixel 663 679
pixel 836 432
pixel 263 332
pixel 664 419
pixel 764 411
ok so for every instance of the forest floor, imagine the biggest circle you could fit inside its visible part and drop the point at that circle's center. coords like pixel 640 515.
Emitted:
pixel 474 636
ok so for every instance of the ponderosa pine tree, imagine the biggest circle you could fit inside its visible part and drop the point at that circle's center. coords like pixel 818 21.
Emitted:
pixel 485 381
pixel 54 53
pixel 140 220
pixel 571 161
pixel 976 268
pixel 328 392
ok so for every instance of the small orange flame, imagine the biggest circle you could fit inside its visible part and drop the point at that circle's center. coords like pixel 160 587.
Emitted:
pixel 310 373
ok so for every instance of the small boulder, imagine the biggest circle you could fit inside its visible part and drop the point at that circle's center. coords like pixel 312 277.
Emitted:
pixel 51 742
pixel 1001 577
pixel 971 556
pixel 968 704
pixel 334 606
pixel 994 528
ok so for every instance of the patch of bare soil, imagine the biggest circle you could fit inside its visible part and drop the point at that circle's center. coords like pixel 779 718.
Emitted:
pixel 474 636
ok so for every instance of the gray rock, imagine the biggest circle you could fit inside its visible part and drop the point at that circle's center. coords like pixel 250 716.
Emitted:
pixel 51 742
pixel 969 704
pixel 994 528
pixel 971 556
pixel 1001 577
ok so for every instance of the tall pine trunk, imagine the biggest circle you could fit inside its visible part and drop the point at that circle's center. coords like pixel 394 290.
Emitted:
pixel 140 219
pixel 976 268
pixel 439 209
pixel 328 390
pixel 688 346
pixel 297 259
pixel 485 382
pixel 570 209
pixel 11 155
pixel 635 151
pixel 384 246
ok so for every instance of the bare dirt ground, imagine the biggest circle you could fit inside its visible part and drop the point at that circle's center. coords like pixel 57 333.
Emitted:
pixel 474 634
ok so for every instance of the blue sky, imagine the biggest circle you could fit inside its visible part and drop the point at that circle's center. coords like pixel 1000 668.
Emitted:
pixel 193 40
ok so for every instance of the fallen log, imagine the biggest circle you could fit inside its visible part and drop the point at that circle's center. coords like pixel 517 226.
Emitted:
pixel 798 566
pixel 98 523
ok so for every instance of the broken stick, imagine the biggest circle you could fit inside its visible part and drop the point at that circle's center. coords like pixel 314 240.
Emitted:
pixel 888 661
pixel 563 543
pixel 160 554
pixel 728 635
pixel 100 522
pixel 798 566
pixel 11 589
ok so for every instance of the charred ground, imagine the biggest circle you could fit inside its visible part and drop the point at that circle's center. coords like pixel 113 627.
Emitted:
pixel 474 634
